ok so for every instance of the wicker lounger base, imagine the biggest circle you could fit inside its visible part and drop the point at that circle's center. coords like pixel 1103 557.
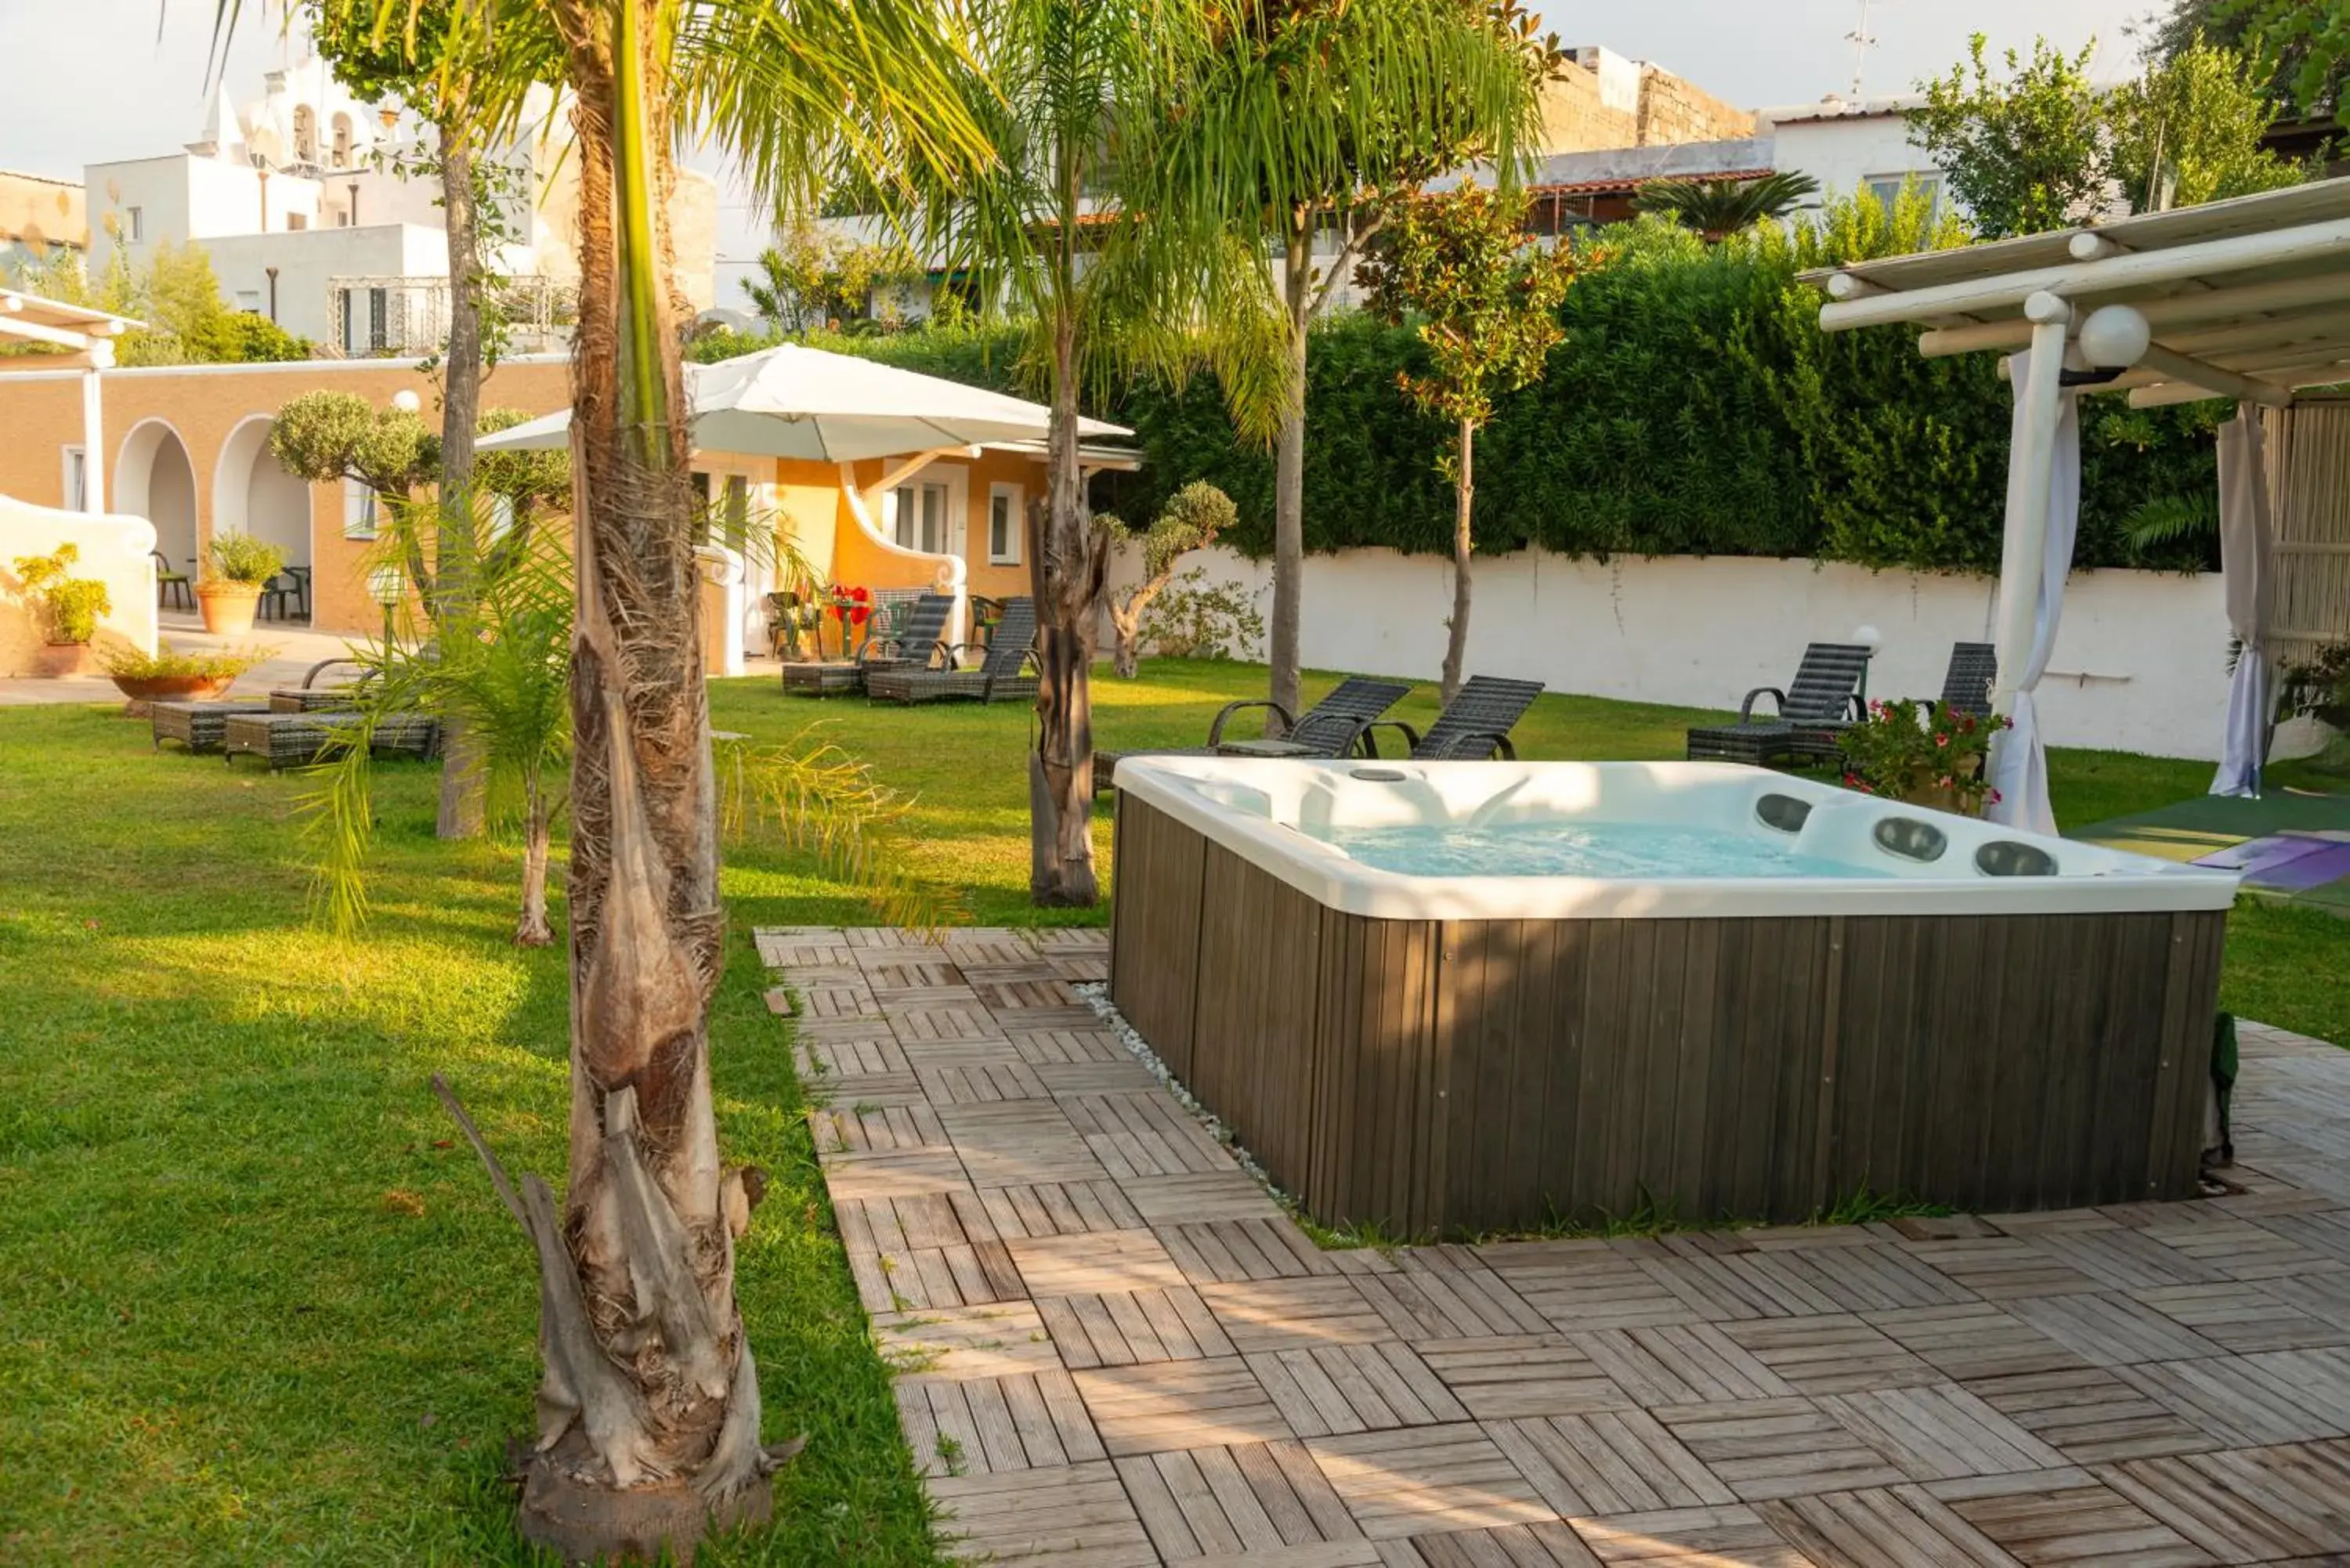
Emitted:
pixel 296 739
pixel 312 700
pixel 825 679
pixel 197 725
pixel 947 685
pixel 1761 745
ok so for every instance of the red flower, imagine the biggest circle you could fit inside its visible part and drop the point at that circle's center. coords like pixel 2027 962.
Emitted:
pixel 1942 739
pixel 1967 724
pixel 1995 797
pixel 853 607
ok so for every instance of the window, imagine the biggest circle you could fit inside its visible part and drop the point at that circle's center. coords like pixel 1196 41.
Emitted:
pixel 298 221
pixel 358 511
pixel 1006 520
pixel 249 299
pixel 342 142
pixel 918 517
pixel 134 223
pixel 1886 189
pixel 76 480
pixel 379 313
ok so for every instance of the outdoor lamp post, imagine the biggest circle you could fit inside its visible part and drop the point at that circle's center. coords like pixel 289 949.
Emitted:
pixel 388 586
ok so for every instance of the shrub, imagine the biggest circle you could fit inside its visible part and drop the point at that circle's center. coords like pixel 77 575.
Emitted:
pixel 242 558
pixel 1926 752
pixel 1194 619
pixel 165 663
pixel 72 604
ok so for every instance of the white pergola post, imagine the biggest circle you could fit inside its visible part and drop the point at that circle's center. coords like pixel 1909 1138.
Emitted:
pixel 2030 464
pixel 93 429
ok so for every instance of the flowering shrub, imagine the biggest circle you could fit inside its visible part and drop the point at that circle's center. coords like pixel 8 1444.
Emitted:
pixel 1924 752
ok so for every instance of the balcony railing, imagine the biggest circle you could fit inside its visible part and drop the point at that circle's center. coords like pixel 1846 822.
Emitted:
pixel 398 316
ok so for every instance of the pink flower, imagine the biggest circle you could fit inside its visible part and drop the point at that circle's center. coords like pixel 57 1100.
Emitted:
pixel 1942 739
pixel 1995 797
pixel 1944 782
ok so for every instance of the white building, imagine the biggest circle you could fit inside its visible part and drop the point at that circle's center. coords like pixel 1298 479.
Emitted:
pixel 320 212
pixel 1851 146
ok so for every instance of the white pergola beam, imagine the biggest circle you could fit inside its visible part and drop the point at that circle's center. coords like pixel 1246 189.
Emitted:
pixel 2179 310
pixel 2163 394
pixel 2177 264
pixel 2181 368
pixel 11 326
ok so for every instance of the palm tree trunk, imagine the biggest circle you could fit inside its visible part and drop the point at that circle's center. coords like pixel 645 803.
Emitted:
pixel 532 931
pixel 462 809
pixel 649 1403
pixel 1289 473
pixel 1456 642
pixel 1067 567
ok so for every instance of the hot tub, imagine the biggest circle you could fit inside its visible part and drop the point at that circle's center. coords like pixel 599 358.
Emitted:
pixel 1448 997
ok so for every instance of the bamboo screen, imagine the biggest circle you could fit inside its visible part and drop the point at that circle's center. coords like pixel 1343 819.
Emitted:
pixel 2309 492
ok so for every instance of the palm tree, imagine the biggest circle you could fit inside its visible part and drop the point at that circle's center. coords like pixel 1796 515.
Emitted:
pixel 1719 208
pixel 1308 115
pixel 649 1401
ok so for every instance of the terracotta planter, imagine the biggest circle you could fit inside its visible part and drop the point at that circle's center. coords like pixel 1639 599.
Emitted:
pixel 1941 800
pixel 58 660
pixel 173 688
pixel 228 607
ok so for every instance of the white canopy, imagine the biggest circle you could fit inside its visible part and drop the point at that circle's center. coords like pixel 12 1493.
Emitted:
pixel 791 402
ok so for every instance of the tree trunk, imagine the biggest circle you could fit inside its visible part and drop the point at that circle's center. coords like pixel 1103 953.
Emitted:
pixel 648 1404
pixel 532 930
pixel 1456 642
pixel 1289 471
pixel 1126 659
pixel 462 786
pixel 1067 561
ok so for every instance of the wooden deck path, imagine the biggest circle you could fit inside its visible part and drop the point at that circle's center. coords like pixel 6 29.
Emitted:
pixel 1116 1350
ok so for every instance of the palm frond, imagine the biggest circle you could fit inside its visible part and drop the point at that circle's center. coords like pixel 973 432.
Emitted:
pixel 1727 206
pixel 817 799
pixel 2168 517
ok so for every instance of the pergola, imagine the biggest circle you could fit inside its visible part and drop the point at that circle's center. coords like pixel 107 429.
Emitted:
pixel 89 336
pixel 2246 299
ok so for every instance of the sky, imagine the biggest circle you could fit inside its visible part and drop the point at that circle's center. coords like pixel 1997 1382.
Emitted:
pixel 97 80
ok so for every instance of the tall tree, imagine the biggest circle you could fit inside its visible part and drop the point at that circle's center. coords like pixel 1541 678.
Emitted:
pixel 1486 301
pixel 1304 119
pixel 2301 47
pixel 2187 130
pixel 2022 154
pixel 649 1402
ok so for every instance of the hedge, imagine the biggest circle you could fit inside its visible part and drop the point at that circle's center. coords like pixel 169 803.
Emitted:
pixel 1695 408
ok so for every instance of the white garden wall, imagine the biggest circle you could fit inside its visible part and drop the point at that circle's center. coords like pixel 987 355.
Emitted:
pixel 114 550
pixel 2140 662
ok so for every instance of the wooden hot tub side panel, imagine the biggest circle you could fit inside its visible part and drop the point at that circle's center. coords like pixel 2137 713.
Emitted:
pixel 1428 1076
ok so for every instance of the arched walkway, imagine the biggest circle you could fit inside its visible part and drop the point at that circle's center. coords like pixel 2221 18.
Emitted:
pixel 154 479
pixel 252 493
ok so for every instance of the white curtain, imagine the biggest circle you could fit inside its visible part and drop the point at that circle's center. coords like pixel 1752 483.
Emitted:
pixel 2244 558
pixel 2019 759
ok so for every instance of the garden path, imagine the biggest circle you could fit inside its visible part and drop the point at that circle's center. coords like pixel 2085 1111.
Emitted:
pixel 1114 1349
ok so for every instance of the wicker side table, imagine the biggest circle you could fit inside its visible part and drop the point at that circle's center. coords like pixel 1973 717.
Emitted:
pixel 197 725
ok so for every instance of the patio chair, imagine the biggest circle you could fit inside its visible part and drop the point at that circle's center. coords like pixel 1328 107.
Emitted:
pixel 277 594
pixel 1475 725
pixel 297 739
pixel 1812 711
pixel 1966 685
pixel 917 644
pixel 172 588
pixel 790 614
pixel 1008 672
pixel 197 725
pixel 312 697
pixel 1333 727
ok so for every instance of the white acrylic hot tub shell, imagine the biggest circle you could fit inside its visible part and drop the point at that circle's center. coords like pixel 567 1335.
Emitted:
pixel 1265 811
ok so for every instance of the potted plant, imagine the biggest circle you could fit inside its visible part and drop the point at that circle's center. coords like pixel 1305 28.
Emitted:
pixel 167 675
pixel 852 606
pixel 70 604
pixel 236 568
pixel 1926 754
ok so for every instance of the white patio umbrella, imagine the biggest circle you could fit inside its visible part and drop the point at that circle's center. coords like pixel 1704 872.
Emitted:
pixel 794 402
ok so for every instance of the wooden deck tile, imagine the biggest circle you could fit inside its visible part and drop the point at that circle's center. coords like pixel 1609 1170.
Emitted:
pixel 1145 1135
pixel 1689 1538
pixel 1202 1197
pixel 1694 1363
pixel 892 1175
pixel 1256 1503
pixel 1019 1143
pixel 1088 967
pixel 1852 1278
pixel 925 1249
pixel 2283 1397
pixel 1418 1481
pixel 956 1344
pixel 1335 1388
pixel 1124 1077
pixel 1120 1328
pixel 982 1083
pixel 1039 1046
pixel 854 1031
pixel 1939 1432
pixel 1073 1516
pixel 837 1002
pixel 899 969
pixel 1295 1314
pixel 2243 1318
pixel 1838 1355
pixel 1579 1285
pixel 847 1058
pixel 1060 1207
pixel 1778 1447
pixel 968 1023
pixel 1217 1251
pixel 1511 1375
pixel 2088 1525
pixel 1445 1292
pixel 1094 1261
pixel 1161 1404
pixel 1974 1340
pixel 2090 1414
pixel 1028 995
pixel 855 1129
pixel 1728 1289
pixel 2327 1232
pixel 2236 1247
pixel 1615 1461
pixel 866 1091
pixel 2128 1259
pixel 2248 1505
pixel 2111 1330
pixel 2000 1268
pixel 1899 1527
pixel 1548 1544
pixel 987 1425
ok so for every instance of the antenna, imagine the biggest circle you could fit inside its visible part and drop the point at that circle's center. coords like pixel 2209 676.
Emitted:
pixel 1861 41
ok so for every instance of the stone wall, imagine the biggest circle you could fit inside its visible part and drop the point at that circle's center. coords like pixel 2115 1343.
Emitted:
pixel 1604 101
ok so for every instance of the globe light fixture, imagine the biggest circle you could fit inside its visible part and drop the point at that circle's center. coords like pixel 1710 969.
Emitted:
pixel 2115 338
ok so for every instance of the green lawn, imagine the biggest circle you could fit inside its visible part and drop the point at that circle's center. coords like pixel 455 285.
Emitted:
pixel 258 1308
